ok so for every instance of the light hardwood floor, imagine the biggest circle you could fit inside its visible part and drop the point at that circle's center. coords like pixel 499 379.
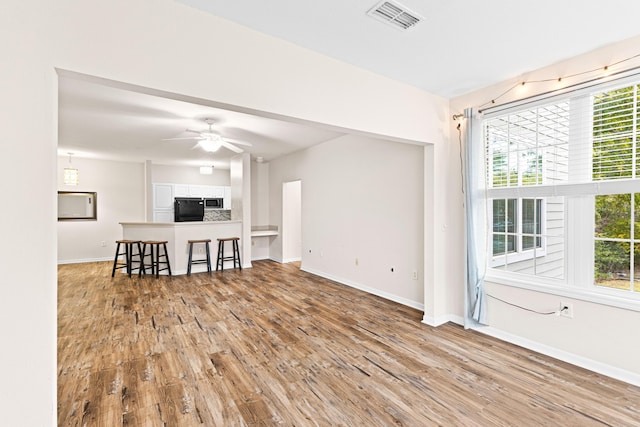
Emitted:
pixel 273 345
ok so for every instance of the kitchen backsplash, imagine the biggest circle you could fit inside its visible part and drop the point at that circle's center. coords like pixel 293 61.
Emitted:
pixel 217 215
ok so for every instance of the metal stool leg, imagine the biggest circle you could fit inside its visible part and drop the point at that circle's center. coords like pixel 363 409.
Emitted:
pixel 166 257
pixel 190 259
pixel 219 259
pixel 140 259
pixel 236 253
pixel 128 248
pixel 156 261
pixel 115 260
pixel 208 258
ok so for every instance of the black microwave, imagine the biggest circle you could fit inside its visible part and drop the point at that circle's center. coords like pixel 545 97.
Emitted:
pixel 214 203
pixel 188 209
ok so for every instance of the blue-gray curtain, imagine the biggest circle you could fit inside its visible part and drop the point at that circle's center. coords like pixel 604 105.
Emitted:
pixel 475 219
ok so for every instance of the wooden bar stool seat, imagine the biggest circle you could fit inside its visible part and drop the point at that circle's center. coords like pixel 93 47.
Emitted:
pixel 129 256
pixel 234 248
pixel 157 258
pixel 206 260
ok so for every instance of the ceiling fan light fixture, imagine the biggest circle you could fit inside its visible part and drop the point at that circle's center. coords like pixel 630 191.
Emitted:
pixel 209 145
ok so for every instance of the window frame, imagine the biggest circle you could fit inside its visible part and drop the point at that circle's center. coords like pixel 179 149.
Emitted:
pixel 578 283
pixel 519 254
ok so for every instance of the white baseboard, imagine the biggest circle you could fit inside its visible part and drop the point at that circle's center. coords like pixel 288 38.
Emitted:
pixel 583 362
pixel 79 261
pixel 373 291
pixel 441 320
pixel 283 260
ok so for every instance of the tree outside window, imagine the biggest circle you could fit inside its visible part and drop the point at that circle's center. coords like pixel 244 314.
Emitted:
pixel 617 216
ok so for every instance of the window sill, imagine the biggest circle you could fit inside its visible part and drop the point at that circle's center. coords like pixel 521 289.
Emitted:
pixel 607 297
pixel 513 257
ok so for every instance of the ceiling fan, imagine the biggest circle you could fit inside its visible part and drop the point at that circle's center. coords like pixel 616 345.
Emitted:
pixel 210 141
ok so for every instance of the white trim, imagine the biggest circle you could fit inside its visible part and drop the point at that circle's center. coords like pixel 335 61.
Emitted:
pixel 583 362
pixel 80 261
pixel 373 291
pixel 624 299
pixel 441 320
pixel 613 186
pixel 288 260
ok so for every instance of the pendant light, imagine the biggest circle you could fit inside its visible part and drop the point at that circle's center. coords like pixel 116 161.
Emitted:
pixel 71 176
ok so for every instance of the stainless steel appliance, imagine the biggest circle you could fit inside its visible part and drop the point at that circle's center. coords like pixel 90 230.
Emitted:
pixel 214 203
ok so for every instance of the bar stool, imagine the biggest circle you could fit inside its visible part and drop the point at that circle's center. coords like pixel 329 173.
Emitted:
pixel 236 253
pixel 206 260
pixel 156 258
pixel 129 256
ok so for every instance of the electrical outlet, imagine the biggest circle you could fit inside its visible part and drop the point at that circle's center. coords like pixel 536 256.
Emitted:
pixel 566 309
pixel 414 276
pixel 103 244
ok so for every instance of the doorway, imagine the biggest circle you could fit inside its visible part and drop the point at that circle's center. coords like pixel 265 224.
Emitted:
pixel 292 221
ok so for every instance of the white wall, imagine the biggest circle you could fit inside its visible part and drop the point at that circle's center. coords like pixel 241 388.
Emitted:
pixel 147 43
pixel 120 197
pixel 189 175
pixel 291 221
pixel 259 193
pixel 362 198
pixel 599 337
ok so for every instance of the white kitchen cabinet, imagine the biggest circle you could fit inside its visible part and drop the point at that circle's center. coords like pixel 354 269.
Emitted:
pixel 217 192
pixel 181 190
pixel 162 196
pixel 197 190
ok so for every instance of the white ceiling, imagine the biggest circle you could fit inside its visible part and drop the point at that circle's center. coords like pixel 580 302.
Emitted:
pixel 97 120
pixel 460 46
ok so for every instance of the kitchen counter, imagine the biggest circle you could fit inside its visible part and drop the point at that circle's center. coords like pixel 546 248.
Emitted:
pixel 178 233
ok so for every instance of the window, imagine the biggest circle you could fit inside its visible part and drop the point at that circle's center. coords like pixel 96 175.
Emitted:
pixel 563 191
pixel 617 241
pixel 517 227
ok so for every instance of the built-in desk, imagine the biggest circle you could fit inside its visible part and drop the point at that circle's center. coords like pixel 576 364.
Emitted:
pixel 264 230
pixel 261 237
pixel 178 233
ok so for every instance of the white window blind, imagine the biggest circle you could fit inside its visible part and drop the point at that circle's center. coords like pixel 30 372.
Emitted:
pixel 590 140
pixel 563 188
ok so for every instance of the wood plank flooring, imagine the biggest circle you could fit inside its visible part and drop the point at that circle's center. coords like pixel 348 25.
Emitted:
pixel 273 345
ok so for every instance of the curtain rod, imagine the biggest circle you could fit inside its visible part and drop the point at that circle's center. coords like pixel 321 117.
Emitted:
pixel 567 89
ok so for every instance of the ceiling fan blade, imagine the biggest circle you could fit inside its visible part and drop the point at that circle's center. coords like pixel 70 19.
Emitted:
pixel 232 147
pixel 177 139
pixel 246 144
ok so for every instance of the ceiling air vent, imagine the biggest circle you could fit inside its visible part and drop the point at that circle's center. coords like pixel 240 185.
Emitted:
pixel 395 14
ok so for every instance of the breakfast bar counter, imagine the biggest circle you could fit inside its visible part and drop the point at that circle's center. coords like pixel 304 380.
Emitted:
pixel 178 233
